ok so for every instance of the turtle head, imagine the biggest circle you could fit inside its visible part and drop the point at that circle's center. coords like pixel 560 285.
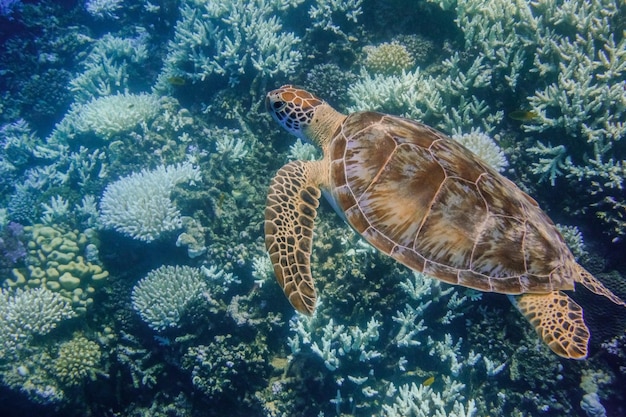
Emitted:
pixel 293 108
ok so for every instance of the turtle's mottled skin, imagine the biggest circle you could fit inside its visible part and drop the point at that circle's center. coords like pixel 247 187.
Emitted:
pixel 428 202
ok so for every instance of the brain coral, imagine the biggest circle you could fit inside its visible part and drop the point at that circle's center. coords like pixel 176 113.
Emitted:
pixel 162 297
pixel 139 205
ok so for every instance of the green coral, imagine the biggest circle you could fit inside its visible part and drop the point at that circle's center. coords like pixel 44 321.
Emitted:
pixel 78 359
pixel 57 261
pixel 388 58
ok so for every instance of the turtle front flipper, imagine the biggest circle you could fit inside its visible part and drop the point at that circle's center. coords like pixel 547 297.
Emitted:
pixel 559 322
pixel 289 216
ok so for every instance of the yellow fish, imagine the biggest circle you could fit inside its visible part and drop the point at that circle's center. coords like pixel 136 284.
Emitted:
pixel 523 115
pixel 429 381
pixel 176 81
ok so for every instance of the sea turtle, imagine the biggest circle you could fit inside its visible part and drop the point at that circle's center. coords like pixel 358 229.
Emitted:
pixel 429 203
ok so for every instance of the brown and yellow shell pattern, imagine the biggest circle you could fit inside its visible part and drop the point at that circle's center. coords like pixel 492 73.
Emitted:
pixel 428 202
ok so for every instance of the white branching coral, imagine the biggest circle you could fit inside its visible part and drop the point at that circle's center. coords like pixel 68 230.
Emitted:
pixel 162 297
pixel 139 205
pixel 111 115
pixel 228 37
pixel 485 147
pixel 108 66
pixel 445 100
pixel 102 9
pixel 29 313
pixel 422 401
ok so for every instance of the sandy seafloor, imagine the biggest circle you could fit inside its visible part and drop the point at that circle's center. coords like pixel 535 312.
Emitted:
pixel 135 158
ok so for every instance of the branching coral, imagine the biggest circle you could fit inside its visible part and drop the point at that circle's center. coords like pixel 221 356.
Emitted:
pixel 26 314
pixel 78 359
pixel 139 205
pixel 111 115
pixel 388 58
pixel 230 37
pixel 162 297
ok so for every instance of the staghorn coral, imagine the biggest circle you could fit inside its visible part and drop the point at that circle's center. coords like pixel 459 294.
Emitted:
pixel 228 39
pixel 422 401
pixel 108 67
pixel 103 9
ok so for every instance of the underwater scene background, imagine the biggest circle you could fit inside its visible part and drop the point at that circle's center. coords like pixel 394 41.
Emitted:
pixel 135 157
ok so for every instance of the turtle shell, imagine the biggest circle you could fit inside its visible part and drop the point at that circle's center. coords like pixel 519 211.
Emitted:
pixel 436 207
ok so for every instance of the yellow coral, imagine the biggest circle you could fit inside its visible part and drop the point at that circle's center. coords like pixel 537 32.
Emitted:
pixel 78 359
pixel 55 262
pixel 388 58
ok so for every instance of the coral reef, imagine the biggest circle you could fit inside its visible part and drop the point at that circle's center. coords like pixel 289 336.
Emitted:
pixel 163 296
pixel 485 147
pixel 12 244
pixel 26 314
pixel 140 206
pixel 130 291
pixel 78 359
pixel 215 368
pixel 59 261
pixel 111 115
pixel 103 9
pixel 108 68
pixel 231 38
pixel 388 58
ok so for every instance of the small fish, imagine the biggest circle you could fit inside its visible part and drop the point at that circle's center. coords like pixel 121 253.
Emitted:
pixel 523 115
pixel 429 381
pixel 178 81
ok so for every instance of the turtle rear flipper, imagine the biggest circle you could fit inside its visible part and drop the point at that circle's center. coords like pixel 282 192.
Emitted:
pixel 290 212
pixel 595 286
pixel 559 322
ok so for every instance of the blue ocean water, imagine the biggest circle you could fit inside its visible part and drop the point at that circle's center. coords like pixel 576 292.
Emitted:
pixel 136 156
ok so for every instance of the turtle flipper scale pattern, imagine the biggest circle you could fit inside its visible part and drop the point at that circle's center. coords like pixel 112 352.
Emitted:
pixel 290 212
pixel 559 322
